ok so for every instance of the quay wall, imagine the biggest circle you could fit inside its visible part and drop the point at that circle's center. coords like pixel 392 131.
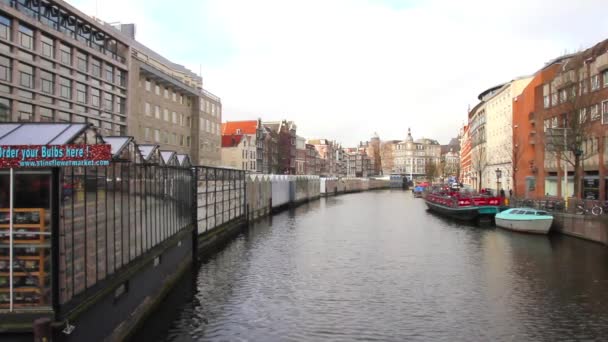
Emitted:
pixel 588 227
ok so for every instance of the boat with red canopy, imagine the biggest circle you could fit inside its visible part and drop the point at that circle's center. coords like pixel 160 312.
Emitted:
pixel 463 205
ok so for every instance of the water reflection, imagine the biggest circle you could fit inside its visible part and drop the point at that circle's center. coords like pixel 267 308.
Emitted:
pixel 378 266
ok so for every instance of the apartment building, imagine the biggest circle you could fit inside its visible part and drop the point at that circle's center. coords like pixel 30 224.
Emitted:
pixel 239 145
pixel 284 133
pixel 499 133
pixel 210 120
pixel 169 106
pixel 412 157
pixel 300 155
pixel 563 120
pixel 59 65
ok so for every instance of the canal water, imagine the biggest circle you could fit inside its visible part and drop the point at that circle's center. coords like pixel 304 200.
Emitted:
pixel 377 266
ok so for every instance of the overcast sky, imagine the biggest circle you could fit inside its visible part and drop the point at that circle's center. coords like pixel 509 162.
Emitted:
pixel 343 69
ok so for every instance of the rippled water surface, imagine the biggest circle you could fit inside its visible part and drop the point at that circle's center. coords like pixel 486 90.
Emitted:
pixel 378 266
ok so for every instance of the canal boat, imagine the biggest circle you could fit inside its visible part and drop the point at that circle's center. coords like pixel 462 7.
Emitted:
pixel 457 206
pixel 526 220
pixel 418 191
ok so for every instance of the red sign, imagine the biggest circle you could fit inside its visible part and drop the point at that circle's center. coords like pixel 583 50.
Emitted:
pixel 20 156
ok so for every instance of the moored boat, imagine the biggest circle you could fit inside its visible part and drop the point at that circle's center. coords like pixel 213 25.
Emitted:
pixel 418 191
pixel 460 208
pixel 526 220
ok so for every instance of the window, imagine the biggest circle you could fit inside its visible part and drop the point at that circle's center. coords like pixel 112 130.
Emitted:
pixel 81 93
pixel 174 97
pixel 5 68
pixel 595 112
pixel 95 97
pixel 157 112
pixel 109 73
pixel 5 28
pixel 25 112
pixel 108 100
pixel 65 54
pixel 554 122
pixel 563 95
pixel 120 77
pixel 207 124
pixel 595 82
pixel 63 117
pixel 48 49
pixel 65 87
pixel 181 99
pixel 26 75
pixel 5 109
pixel 157 135
pixel 174 117
pixel 605 77
pixel 120 104
pixel 181 119
pixel 46 114
pixel 605 113
pixel 147 85
pixel 582 87
pixel 95 67
pixel 165 137
pixel 157 89
pixel 173 139
pixel 546 102
pixel 26 37
pixel 166 93
pixel 81 61
pixel 188 141
pixel 147 133
pixel 147 110
pixel 166 114
pixel 582 115
pixel 554 99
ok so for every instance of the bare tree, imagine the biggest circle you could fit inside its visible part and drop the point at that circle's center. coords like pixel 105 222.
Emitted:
pixel 568 134
pixel 479 162
pixel 514 157
pixel 431 171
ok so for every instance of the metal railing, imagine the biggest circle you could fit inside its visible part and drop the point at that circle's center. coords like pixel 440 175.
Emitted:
pixel 558 205
pixel 220 197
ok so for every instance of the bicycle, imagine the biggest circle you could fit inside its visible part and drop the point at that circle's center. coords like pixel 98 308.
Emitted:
pixel 599 209
pixel 581 210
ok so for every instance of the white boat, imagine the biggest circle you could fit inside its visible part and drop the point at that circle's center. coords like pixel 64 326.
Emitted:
pixel 526 220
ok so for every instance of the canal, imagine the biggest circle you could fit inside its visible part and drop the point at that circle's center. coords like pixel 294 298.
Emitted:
pixel 378 266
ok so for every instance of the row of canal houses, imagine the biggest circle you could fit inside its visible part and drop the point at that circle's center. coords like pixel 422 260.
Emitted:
pixel 554 125
pixel 273 147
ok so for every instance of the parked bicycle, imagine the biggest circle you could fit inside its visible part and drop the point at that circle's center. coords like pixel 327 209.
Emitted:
pixel 600 209
pixel 596 209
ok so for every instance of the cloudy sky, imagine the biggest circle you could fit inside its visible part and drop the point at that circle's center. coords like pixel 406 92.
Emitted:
pixel 344 69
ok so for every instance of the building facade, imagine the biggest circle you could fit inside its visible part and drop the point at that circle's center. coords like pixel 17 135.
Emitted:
pixel 499 134
pixel 412 158
pixel 239 145
pixel 59 65
pixel 285 133
pixel 568 127
pixel 300 155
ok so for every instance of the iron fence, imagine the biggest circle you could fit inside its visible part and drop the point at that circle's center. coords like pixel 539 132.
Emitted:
pixel 555 204
pixel 220 197
pixel 110 216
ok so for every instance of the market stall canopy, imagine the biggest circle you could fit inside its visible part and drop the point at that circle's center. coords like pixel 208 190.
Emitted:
pixel 42 133
pixel 183 160
pixel 169 157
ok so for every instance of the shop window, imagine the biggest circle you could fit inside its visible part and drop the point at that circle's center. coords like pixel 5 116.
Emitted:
pixel 30 263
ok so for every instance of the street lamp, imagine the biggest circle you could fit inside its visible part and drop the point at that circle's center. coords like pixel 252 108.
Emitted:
pixel 498 175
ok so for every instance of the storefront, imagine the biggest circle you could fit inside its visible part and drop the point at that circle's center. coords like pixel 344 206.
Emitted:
pixel 30 157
